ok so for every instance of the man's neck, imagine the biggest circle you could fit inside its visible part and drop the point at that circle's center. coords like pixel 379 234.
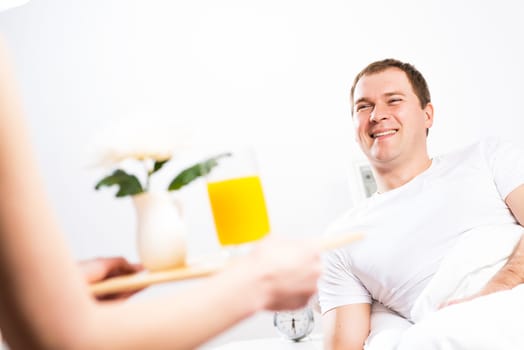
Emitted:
pixel 389 177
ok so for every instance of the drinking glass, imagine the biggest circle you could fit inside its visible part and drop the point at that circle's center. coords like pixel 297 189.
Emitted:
pixel 237 200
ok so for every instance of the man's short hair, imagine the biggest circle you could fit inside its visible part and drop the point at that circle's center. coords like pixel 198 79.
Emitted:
pixel 417 81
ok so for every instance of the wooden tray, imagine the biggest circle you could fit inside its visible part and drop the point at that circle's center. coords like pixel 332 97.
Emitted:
pixel 143 279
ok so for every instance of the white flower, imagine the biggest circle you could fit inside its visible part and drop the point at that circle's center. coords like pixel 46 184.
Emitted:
pixel 139 139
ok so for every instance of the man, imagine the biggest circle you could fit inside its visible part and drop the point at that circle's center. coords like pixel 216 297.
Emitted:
pixel 422 206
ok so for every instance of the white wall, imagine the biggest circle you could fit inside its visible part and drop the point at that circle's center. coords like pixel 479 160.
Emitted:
pixel 276 73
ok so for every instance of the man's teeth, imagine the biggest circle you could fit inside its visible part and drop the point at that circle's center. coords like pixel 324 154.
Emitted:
pixel 390 132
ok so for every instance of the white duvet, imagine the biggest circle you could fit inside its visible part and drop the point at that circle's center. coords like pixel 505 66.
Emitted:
pixel 491 322
pixel 471 263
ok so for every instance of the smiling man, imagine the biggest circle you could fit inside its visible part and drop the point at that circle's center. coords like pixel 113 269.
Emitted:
pixel 391 119
pixel 422 207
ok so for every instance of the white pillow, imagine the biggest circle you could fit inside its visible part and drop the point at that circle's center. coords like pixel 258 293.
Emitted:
pixel 477 256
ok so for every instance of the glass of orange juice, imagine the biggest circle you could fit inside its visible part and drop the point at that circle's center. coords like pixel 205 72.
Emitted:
pixel 237 200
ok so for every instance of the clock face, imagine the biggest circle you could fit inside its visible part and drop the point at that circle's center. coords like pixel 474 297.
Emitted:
pixel 295 324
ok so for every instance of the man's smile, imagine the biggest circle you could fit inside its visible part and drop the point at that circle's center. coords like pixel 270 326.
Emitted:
pixel 383 133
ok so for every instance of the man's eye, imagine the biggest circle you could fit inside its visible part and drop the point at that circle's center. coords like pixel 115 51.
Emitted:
pixel 394 100
pixel 362 107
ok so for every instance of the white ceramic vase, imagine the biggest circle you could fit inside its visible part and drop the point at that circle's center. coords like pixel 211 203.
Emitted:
pixel 161 232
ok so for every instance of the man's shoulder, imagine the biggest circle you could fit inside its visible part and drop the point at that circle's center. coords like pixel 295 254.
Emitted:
pixel 483 145
pixel 348 218
pixel 478 149
pixel 337 225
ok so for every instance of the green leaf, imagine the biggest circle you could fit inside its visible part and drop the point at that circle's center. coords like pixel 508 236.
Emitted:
pixel 192 173
pixel 128 184
pixel 158 165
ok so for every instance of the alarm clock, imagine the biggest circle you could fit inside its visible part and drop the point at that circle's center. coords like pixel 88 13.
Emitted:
pixel 295 324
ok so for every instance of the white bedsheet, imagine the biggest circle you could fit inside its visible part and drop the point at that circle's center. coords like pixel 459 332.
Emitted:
pixel 492 322
pixel 472 262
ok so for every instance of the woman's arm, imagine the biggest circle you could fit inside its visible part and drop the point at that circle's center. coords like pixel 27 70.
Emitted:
pixel 44 300
pixel 33 257
pixel 199 313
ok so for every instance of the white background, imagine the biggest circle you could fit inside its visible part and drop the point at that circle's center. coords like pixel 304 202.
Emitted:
pixel 272 73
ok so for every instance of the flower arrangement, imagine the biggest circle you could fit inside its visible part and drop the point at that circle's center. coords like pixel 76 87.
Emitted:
pixel 130 185
pixel 150 142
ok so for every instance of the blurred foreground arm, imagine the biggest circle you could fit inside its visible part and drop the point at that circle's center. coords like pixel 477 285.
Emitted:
pixel 45 302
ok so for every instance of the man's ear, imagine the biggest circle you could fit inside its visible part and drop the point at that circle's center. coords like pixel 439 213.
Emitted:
pixel 428 115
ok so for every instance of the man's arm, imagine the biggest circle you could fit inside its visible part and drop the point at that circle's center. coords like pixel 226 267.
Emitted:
pixel 511 274
pixel 346 327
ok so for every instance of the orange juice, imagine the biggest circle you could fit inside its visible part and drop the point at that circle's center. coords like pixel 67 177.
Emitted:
pixel 239 209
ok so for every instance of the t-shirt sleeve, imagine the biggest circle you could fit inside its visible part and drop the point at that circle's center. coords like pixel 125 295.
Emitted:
pixel 506 161
pixel 338 286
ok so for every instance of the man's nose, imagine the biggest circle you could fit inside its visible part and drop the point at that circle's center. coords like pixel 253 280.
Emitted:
pixel 378 113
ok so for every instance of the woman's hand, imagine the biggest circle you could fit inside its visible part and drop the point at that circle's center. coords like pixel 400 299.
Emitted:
pixel 96 270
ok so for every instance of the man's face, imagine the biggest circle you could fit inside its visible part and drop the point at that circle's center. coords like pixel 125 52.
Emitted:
pixel 390 125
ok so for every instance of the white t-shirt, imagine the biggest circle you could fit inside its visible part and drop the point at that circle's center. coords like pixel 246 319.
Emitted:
pixel 410 229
